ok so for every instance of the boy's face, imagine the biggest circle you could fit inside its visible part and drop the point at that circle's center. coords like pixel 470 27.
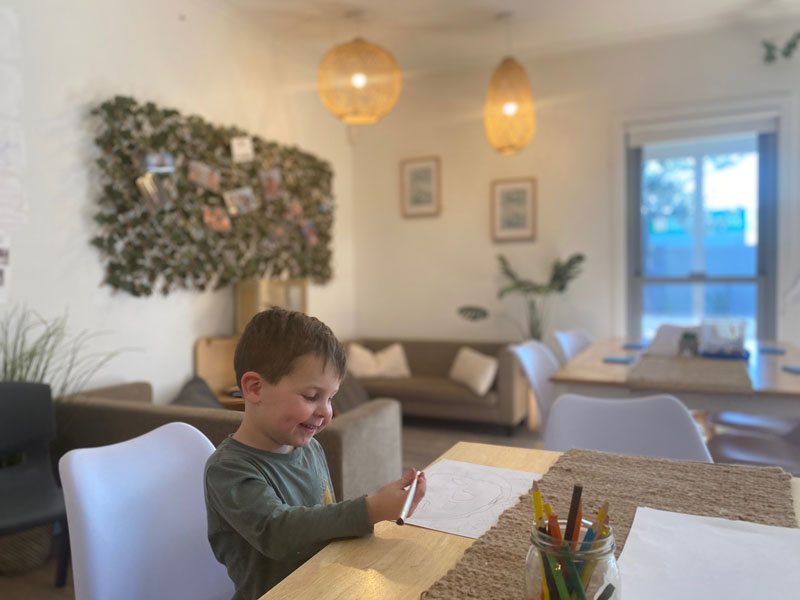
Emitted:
pixel 289 413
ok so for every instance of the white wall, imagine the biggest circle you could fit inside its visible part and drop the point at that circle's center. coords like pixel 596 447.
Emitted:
pixel 412 274
pixel 193 55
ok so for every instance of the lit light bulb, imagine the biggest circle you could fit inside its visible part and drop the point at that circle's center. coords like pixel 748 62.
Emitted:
pixel 359 80
pixel 510 109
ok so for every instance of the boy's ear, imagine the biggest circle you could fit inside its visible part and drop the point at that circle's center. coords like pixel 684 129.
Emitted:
pixel 251 386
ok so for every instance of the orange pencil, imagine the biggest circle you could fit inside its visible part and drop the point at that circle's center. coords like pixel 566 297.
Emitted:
pixel 553 527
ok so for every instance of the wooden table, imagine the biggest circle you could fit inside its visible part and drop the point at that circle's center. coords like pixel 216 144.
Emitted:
pixel 402 562
pixel 774 391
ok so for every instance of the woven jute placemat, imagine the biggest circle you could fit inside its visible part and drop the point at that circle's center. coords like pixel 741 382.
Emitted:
pixel 690 373
pixel 493 567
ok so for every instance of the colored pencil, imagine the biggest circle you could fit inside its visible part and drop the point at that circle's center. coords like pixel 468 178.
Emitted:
pixel 409 499
pixel 558 576
pixel 574 504
pixel 538 509
pixel 547 509
pixel 572 573
pixel 607 592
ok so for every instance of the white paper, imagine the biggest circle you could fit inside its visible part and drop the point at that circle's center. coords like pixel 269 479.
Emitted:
pixel 467 499
pixel 671 555
pixel 10 91
pixel 12 146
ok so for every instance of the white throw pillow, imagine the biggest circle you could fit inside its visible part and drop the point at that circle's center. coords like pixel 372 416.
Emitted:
pixel 392 362
pixel 389 362
pixel 474 369
pixel 361 362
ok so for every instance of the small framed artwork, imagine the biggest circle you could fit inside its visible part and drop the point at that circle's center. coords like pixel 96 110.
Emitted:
pixel 420 187
pixel 513 209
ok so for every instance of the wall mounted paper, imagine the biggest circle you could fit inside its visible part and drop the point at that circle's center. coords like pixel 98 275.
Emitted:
pixel 467 499
pixel 671 555
pixel 12 146
pixel 9 34
pixel 12 200
pixel 10 91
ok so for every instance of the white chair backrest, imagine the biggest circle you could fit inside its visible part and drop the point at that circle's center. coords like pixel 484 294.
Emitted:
pixel 572 341
pixel 137 518
pixel 539 365
pixel 649 426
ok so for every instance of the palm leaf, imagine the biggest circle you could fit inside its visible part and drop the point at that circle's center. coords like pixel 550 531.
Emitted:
pixel 564 272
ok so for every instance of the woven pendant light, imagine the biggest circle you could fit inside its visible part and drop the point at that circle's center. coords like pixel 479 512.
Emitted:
pixel 508 115
pixel 359 82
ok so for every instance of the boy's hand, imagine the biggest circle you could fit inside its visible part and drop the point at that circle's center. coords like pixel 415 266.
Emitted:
pixel 387 503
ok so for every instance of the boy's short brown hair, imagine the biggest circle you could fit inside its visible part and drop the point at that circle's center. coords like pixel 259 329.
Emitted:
pixel 274 339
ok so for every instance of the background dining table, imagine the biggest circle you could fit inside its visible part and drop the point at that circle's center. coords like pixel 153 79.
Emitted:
pixel 713 384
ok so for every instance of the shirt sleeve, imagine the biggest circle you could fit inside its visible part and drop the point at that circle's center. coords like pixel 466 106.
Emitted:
pixel 279 531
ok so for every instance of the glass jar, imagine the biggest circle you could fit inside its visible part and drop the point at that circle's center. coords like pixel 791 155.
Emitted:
pixel 594 564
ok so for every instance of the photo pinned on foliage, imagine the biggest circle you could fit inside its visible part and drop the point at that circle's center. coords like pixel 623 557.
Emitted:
pixel 270 182
pixel 203 175
pixel 159 162
pixel 216 218
pixel 240 201
pixel 153 193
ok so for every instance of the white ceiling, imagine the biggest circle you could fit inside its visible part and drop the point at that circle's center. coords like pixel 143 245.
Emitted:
pixel 434 33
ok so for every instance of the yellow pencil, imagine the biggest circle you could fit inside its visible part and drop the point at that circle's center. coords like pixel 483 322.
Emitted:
pixel 547 509
pixel 538 509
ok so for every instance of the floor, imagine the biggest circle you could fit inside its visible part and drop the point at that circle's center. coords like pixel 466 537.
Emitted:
pixel 423 441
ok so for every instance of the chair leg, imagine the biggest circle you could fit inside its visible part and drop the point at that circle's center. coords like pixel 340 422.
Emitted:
pixel 63 556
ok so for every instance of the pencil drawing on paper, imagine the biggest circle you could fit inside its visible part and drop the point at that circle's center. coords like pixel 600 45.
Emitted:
pixel 467 499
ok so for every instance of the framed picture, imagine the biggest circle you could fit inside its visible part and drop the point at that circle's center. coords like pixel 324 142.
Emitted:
pixel 513 212
pixel 420 187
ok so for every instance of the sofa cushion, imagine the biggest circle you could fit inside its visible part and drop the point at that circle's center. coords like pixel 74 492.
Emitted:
pixel 475 370
pixel 387 362
pixel 437 390
pixel 196 392
pixel 350 395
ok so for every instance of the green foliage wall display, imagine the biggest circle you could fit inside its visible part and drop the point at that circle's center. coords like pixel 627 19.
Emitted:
pixel 167 245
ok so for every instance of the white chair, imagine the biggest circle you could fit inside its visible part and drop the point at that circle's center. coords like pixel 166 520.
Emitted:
pixel 572 341
pixel 137 518
pixel 539 365
pixel 649 426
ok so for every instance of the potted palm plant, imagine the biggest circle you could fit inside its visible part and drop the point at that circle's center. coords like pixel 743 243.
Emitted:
pixel 535 295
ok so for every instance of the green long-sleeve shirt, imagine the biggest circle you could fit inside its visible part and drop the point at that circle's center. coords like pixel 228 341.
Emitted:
pixel 268 513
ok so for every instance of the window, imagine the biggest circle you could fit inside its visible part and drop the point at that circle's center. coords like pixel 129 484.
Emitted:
pixel 701 231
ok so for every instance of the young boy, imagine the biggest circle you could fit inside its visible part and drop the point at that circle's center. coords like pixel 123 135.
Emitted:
pixel 268 493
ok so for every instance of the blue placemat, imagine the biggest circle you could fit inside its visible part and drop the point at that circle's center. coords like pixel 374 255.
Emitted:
pixel 620 360
pixel 633 346
pixel 771 350
pixel 793 369
pixel 743 355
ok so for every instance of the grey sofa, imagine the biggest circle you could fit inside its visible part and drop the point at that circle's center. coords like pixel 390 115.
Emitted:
pixel 362 446
pixel 429 392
